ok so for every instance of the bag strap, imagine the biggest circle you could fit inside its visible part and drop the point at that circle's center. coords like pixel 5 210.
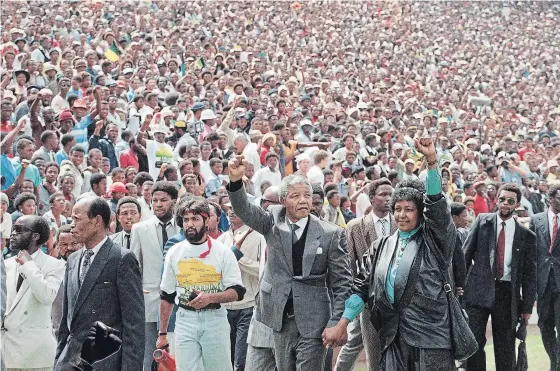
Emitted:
pixel 442 271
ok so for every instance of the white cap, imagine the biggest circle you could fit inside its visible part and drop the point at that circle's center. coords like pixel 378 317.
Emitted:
pixel 305 122
pixel 208 114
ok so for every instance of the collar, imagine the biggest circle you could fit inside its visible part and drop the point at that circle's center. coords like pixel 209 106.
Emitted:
pixel 509 223
pixel 300 223
pixel 404 235
pixel 34 255
pixel 157 221
pixel 551 215
pixel 97 247
pixel 376 218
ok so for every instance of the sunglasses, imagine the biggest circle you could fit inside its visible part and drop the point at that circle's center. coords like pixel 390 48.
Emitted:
pixel 510 201
pixel 18 228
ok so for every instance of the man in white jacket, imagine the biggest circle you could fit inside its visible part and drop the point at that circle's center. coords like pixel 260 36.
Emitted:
pixel 32 282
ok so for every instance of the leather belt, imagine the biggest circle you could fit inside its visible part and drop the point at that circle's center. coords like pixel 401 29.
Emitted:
pixel 212 306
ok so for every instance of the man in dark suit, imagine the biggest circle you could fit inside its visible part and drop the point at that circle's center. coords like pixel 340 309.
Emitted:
pixel 102 283
pixel 129 213
pixel 500 256
pixel 306 259
pixel 545 226
pixel 361 233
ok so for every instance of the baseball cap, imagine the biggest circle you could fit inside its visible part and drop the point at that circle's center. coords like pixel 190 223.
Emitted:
pixel 80 103
pixel 118 187
pixel 64 115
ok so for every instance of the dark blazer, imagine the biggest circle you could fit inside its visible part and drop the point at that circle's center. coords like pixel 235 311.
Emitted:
pixel 428 311
pixel 545 262
pixel 480 259
pixel 459 270
pixel 111 293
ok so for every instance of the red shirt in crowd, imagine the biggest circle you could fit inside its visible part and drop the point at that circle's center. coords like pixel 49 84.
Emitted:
pixel 523 151
pixel 128 158
pixel 480 204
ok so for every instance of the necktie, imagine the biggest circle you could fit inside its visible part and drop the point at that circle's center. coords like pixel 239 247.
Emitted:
pixel 295 227
pixel 127 237
pixel 382 224
pixel 501 251
pixel 554 233
pixel 164 232
pixel 19 282
pixel 86 262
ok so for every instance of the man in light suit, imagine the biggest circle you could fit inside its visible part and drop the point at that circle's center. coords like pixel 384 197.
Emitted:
pixel 306 259
pixel 361 233
pixel 545 227
pixel 502 282
pixel 32 281
pixel 102 283
pixel 128 214
pixel 148 239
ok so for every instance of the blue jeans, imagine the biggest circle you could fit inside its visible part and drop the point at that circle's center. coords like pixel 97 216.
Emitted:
pixel 239 321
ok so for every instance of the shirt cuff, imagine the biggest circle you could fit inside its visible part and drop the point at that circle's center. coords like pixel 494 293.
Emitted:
pixel 352 307
pixel 238 254
pixel 433 182
pixel 235 186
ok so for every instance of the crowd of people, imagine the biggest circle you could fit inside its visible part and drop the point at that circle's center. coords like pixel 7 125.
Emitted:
pixel 247 184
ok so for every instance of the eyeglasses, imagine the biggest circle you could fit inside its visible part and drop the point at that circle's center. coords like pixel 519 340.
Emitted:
pixel 18 228
pixel 510 201
pixel 64 85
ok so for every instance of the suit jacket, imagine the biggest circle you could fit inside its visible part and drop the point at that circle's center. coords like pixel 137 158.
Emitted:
pixel 145 245
pixel 360 235
pixel 480 259
pixel 325 265
pixel 29 338
pixel 545 262
pixel 119 239
pixel 428 310
pixel 111 293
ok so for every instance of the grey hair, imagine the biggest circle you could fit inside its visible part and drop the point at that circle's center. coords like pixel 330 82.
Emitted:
pixel 241 137
pixel 292 180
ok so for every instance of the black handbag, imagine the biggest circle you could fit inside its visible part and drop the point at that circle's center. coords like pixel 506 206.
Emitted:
pixel 463 342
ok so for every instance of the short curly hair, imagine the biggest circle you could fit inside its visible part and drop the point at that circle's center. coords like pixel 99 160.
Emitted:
pixel 409 190
pixel 22 197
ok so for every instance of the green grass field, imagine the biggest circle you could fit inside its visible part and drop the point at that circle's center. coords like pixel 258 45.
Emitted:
pixel 538 359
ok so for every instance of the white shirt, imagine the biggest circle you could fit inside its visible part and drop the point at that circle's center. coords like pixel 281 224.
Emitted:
pixel 510 232
pixel 362 204
pixel 219 266
pixel 551 217
pixel 6 226
pixel 377 224
pixel 302 223
pixel 316 176
pixel 265 174
pixel 95 250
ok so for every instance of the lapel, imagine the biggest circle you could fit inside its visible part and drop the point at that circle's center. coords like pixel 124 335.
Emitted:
pixel 312 242
pixel 517 244
pixel 383 266
pixel 490 230
pixel 92 274
pixel 368 230
pixel 151 231
pixel 286 239
pixel 544 227
pixel 404 266
pixel 39 261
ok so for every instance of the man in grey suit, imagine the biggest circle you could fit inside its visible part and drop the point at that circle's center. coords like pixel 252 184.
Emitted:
pixel 361 233
pixel 129 212
pixel 545 227
pixel 102 283
pixel 306 259
pixel 148 239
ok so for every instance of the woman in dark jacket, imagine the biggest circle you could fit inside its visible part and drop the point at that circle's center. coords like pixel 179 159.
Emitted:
pixel 401 281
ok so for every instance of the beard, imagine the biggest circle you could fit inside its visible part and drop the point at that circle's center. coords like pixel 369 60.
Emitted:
pixel 197 236
pixel 506 215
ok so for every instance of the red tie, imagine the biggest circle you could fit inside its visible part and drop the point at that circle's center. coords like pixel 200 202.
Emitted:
pixel 501 251
pixel 554 233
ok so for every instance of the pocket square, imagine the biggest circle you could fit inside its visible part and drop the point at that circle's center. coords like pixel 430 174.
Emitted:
pixel 319 251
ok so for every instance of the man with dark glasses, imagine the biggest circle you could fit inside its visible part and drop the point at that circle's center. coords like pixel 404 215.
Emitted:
pixel 500 256
pixel 32 281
